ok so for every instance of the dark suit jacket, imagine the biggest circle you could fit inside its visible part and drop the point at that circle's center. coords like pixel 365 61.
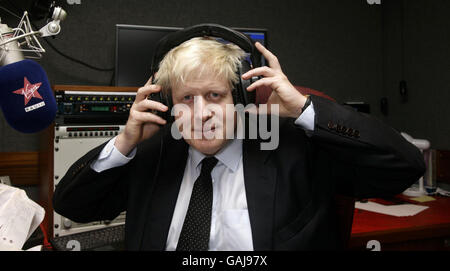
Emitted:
pixel 289 190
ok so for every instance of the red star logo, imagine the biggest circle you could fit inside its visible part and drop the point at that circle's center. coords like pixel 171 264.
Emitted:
pixel 29 90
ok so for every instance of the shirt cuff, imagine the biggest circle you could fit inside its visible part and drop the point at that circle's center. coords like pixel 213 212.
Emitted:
pixel 306 118
pixel 111 157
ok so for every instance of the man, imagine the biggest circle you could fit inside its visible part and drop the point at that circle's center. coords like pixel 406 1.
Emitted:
pixel 280 199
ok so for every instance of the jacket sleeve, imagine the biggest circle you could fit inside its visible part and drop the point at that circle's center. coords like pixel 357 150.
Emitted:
pixel 367 157
pixel 83 195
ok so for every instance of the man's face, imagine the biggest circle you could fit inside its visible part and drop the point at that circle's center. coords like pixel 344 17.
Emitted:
pixel 204 125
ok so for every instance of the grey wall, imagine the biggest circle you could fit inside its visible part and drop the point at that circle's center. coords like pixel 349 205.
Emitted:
pixel 426 68
pixel 338 47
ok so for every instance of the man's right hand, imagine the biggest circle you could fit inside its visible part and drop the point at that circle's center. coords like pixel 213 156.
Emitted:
pixel 141 123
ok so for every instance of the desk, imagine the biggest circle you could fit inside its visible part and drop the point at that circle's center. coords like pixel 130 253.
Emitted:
pixel 428 230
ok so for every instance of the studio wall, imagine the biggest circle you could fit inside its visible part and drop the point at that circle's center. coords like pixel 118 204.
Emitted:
pixel 347 49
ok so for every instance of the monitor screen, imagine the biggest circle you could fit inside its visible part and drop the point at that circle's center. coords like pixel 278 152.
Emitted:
pixel 136 44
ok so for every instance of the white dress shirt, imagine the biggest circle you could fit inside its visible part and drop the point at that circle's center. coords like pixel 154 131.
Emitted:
pixel 230 222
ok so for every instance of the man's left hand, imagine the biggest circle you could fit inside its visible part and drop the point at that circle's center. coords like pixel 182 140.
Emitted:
pixel 284 94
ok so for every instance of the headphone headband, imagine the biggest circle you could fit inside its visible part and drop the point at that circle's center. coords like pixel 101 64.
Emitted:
pixel 212 30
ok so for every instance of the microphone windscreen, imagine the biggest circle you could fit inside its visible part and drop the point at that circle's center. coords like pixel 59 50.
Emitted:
pixel 26 98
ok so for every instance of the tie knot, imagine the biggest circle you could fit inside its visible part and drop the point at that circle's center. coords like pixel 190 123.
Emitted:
pixel 208 164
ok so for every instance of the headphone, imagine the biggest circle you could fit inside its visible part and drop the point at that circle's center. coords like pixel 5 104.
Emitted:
pixel 239 92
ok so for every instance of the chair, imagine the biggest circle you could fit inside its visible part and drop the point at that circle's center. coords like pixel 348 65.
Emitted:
pixel 262 93
pixel 344 206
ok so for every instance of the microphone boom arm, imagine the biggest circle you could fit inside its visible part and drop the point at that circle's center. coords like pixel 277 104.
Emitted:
pixel 25 38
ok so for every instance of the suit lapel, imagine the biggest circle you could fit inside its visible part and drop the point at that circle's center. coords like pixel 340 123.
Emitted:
pixel 260 183
pixel 165 193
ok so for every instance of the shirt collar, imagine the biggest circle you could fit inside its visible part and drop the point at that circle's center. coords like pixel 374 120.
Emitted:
pixel 229 155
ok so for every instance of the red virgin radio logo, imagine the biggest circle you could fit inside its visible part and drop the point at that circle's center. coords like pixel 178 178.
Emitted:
pixel 30 91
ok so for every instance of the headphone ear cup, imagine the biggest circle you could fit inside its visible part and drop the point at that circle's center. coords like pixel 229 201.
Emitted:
pixel 237 93
pixel 240 93
pixel 167 100
pixel 164 99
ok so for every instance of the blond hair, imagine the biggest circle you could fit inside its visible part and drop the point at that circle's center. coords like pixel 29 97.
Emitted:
pixel 196 57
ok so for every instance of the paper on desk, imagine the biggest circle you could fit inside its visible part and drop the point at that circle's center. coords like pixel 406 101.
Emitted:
pixel 394 210
pixel 423 199
pixel 19 217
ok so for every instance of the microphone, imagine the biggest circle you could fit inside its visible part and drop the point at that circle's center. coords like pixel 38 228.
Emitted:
pixel 23 39
pixel 26 98
pixel 10 52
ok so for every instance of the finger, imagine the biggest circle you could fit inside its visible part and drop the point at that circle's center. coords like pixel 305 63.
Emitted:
pixel 149 82
pixel 261 109
pixel 267 81
pixel 144 91
pixel 147 104
pixel 251 109
pixel 147 117
pixel 260 71
pixel 271 58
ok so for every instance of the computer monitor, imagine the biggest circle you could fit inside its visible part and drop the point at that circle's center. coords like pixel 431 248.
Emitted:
pixel 136 44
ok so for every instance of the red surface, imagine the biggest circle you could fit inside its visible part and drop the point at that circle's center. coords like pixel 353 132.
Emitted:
pixel 263 93
pixel 437 214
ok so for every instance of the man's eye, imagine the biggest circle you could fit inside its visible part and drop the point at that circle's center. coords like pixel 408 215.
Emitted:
pixel 214 95
pixel 187 98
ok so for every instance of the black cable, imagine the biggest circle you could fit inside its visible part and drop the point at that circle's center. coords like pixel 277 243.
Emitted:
pixel 72 58
pixel 402 38
pixel 12 4
pixel 76 60
pixel 111 82
pixel 155 177
pixel 57 50
pixel 10 12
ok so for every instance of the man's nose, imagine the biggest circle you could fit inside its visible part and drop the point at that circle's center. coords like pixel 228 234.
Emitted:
pixel 201 111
